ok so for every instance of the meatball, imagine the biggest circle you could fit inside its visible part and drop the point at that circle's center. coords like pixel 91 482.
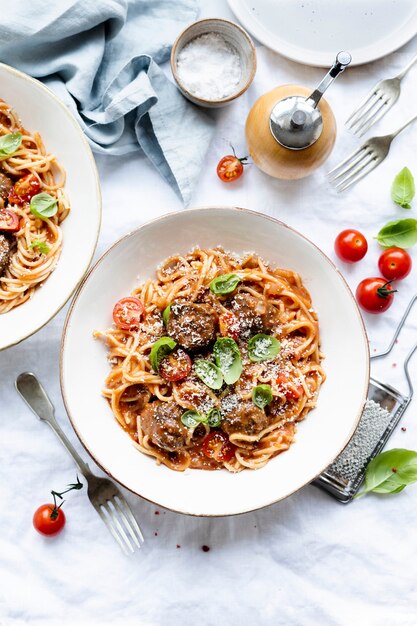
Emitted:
pixel 161 421
pixel 193 326
pixel 254 314
pixel 245 418
pixel 4 253
pixel 6 184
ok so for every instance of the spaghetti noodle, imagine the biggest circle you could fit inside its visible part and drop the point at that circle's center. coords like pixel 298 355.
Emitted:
pixel 196 406
pixel 32 245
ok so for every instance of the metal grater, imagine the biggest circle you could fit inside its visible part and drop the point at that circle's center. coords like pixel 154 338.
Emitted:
pixel 383 409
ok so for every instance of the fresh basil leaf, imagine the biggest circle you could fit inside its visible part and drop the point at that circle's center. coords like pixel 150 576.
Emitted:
pixel 228 359
pixel 161 348
pixel 214 418
pixel 391 471
pixel 224 284
pixel 403 188
pixel 263 347
pixel 9 144
pixel 166 313
pixel 401 234
pixel 209 373
pixel 41 246
pixel 43 205
pixel 192 418
pixel 262 395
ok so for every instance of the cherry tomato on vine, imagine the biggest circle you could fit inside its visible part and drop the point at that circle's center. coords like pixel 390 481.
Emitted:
pixel 395 263
pixel 128 312
pixel 375 295
pixel 230 168
pixel 350 246
pixel 175 366
pixel 216 445
pixel 48 519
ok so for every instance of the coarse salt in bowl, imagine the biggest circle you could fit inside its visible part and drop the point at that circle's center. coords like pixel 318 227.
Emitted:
pixel 213 62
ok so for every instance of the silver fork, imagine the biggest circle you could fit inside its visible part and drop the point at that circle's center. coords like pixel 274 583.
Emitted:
pixel 377 102
pixel 363 160
pixel 103 494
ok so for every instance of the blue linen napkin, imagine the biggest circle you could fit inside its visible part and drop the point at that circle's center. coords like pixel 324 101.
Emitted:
pixel 101 58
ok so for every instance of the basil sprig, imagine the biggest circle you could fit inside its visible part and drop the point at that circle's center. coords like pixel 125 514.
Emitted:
pixel 224 284
pixel 262 395
pixel 159 350
pixel 43 205
pixel 192 418
pixel 400 233
pixel 9 144
pixel 209 373
pixel 166 314
pixel 403 188
pixel 391 471
pixel 263 347
pixel 40 246
pixel 228 359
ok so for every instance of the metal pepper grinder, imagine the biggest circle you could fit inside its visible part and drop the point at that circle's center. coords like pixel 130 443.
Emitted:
pixel 291 131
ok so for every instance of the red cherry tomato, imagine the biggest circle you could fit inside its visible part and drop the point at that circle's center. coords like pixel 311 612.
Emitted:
pixel 24 189
pixel 293 392
pixel 49 520
pixel 175 366
pixel 216 445
pixel 9 220
pixel 230 168
pixel 229 325
pixel 375 295
pixel 350 246
pixel 395 263
pixel 128 312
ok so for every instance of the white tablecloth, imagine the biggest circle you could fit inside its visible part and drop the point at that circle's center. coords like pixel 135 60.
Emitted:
pixel 307 560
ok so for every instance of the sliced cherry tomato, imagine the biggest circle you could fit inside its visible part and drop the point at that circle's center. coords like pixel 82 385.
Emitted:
pixel 230 168
pixel 395 263
pixel 229 325
pixel 375 295
pixel 216 445
pixel 292 392
pixel 175 366
pixel 128 312
pixel 350 246
pixel 24 189
pixel 9 220
pixel 49 520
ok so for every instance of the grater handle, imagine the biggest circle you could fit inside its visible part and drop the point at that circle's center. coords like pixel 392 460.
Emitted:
pixel 407 373
pixel 394 339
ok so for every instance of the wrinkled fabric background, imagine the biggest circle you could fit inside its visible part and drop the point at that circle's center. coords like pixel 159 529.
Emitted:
pixel 101 58
pixel 305 561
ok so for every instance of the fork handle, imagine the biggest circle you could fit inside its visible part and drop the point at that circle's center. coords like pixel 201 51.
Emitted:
pixel 407 123
pixel 401 75
pixel 35 396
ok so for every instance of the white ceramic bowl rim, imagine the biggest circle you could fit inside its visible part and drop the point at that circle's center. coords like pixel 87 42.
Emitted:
pixel 77 129
pixel 244 508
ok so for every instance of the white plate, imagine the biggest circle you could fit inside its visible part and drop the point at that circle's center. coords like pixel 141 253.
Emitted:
pixel 40 110
pixel 313 31
pixel 320 437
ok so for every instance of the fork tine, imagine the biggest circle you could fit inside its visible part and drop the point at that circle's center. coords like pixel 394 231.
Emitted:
pixel 126 515
pixel 359 173
pixel 350 165
pixel 368 118
pixel 345 161
pixel 112 530
pixel 374 120
pixel 367 102
pixel 116 523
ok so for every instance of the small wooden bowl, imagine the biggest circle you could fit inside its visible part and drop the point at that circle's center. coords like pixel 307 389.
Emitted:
pixel 269 155
pixel 236 37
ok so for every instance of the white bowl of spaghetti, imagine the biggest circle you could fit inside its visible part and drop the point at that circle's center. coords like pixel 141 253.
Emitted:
pixel 196 283
pixel 50 205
